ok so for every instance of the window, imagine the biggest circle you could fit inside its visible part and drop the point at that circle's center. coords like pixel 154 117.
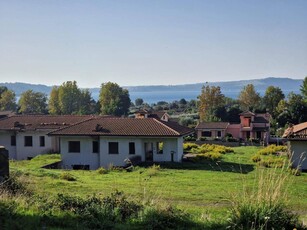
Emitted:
pixel 219 133
pixel 13 140
pixel 74 146
pixel 131 148
pixel 206 134
pixel 159 147
pixel 28 141
pixel 95 146
pixel 41 141
pixel 113 147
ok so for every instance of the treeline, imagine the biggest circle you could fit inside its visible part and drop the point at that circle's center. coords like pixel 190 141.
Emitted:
pixel 68 99
pixel 214 106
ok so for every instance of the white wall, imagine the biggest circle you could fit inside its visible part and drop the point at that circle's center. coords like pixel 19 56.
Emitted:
pixel 85 157
pixel 104 159
pixel 5 140
pixel 298 150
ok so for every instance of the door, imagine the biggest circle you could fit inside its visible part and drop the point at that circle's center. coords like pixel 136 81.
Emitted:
pixel 148 151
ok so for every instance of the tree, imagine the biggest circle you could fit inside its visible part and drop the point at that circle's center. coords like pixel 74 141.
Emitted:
pixel 114 100
pixel 139 102
pixel 210 99
pixel 69 97
pixel 53 103
pixel 7 99
pixel 297 108
pixel 32 102
pixel 303 88
pixel 273 95
pixel 87 104
pixel 249 99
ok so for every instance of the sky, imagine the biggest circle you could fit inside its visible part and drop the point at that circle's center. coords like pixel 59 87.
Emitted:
pixel 151 42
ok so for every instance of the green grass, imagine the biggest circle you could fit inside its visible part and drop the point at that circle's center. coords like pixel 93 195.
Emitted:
pixel 201 189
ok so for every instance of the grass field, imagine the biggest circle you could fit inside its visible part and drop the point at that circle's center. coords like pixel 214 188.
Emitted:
pixel 202 189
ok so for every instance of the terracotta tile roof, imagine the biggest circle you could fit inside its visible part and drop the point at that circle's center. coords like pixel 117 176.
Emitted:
pixel 100 126
pixel 295 129
pixel 212 125
pixel 247 113
pixel 33 122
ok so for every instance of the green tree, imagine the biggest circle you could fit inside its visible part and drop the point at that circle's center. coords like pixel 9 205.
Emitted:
pixel 249 99
pixel 114 100
pixel 7 99
pixel 297 108
pixel 87 104
pixel 303 88
pixel 32 102
pixel 210 99
pixel 53 103
pixel 69 97
pixel 139 102
pixel 273 95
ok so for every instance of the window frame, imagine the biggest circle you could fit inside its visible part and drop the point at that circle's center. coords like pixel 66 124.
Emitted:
pixel 74 149
pixel 131 148
pixel 115 146
pixel 42 141
pixel 28 141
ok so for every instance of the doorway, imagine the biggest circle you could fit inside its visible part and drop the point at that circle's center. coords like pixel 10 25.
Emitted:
pixel 148 151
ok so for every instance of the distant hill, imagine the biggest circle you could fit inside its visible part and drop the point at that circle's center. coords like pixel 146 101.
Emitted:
pixel 171 92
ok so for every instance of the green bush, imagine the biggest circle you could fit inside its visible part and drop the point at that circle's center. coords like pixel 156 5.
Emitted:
pixel 256 158
pixel 67 176
pixel 188 146
pixel 102 170
pixel 153 170
pixel 13 185
pixel 207 156
pixel 272 150
pixel 214 148
pixel 272 162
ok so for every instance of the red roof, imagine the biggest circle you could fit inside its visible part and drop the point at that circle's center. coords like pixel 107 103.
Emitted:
pixel 212 125
pixel 101 126
pixel 33 122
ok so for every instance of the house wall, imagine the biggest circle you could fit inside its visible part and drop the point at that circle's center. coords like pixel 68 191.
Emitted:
pixel 298 150
pixel 85 157
pixel 5 140
pixel 23 152
pixel 104 159
pixel 234 130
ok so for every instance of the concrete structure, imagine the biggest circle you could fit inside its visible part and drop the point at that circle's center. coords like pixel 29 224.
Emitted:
pixel 103 141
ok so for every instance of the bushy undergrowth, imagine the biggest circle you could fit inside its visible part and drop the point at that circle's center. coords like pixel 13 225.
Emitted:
pixel 271 156
pixel 207 156
pixel 264 206
pixel 208 152
pixel 153 170
pixel 13 186
pixel 67 176
pixel 189 146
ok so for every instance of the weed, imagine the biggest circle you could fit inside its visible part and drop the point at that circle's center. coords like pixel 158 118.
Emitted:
pixel 102 170
pixel 67 176
pixel 153 170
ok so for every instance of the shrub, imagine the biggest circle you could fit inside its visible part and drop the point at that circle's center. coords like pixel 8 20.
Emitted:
pixel 207 156
pixel 153 170
pixel 271 162
pixel 215 148
pixel 272 150
pixel 67 176
pixel 256 158
pixel 202 138
pixel 188 146
pixel 102 170
pixel 13 185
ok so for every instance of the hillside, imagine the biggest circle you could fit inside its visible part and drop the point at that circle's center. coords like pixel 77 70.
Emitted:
pixel 230 88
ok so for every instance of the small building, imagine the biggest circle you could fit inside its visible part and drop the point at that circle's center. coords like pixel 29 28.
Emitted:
pixel 103 141
pixel 211 129
pixel 144 113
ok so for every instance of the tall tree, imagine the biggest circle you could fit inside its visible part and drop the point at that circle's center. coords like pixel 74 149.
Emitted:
pixel 297 108
pixel 249 99
pixel 87 104
pixel 53 103
pixel 139 102
pixel 69 97
pixel 210 99
pixel 114 100
pixel 32 102
pixel 303 88
pixel 7 99
pixel 273 95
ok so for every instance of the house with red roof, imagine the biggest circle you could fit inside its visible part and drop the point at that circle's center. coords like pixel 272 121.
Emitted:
pixel 251 126
pixel 92 141
pixel 101 141
pixel 26 136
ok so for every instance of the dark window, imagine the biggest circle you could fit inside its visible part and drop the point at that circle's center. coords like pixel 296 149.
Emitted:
pixel 131 148
pixel 258 134
pixel 113 147
pixel 95 147
pixel 159 147
pixel 80 167
pixel 74 146
pixel 206 134
pixel 219 133
pixel 42 141
pixel 28 141
pixel 13 140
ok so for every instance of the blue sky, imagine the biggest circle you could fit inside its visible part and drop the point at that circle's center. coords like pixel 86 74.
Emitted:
pixel 151 42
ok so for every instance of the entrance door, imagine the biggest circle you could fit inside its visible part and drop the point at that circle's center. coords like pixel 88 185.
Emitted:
pixel 148 151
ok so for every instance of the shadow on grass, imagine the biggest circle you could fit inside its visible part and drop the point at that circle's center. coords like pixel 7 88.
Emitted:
pixel 219 166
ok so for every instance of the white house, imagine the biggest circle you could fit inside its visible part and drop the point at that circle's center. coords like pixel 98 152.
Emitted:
pixel 101 141
pixel 25 136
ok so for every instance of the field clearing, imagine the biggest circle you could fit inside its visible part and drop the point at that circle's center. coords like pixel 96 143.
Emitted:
pixel 199 188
